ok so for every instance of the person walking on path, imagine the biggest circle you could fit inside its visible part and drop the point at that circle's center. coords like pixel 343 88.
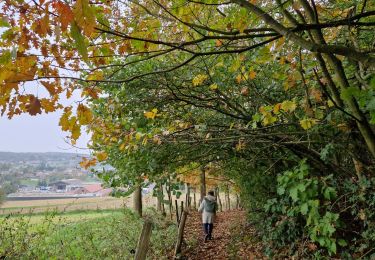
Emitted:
pixel 208 208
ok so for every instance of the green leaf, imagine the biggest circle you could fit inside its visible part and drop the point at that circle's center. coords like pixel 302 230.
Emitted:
pixel 4 22
pixel 79 40
pixel 332 247
pixel 294 193
pixel 304 208
pixel 329 193
pixel 342 242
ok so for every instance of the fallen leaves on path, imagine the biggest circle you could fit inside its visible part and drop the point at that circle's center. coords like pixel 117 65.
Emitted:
pixel 232 238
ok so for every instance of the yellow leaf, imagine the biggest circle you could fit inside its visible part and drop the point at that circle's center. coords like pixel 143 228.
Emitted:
pixel 330 103
pixel 84 16
pixel 239 78
pixel 269 119
pixel 252 74
pixel 122 146
pixel 145 141
pixel 276 108
pixel 48 105
pixel 199 79
pixel 86 163
pixel 151 114
pixel 96 75
pixel 84 114
pixel 288 106
pixel 64 119
pixel 101 156
pixel 213 86
pixel 138 136
pixel 75 128
pixel 307 123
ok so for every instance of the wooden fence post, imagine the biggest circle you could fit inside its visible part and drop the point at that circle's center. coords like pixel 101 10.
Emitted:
pixel 177 216
pixel 182 208
pixel 144 241
pixel 180 237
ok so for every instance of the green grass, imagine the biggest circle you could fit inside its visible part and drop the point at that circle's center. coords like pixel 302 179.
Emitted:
pixel 82 235
pixel 32 183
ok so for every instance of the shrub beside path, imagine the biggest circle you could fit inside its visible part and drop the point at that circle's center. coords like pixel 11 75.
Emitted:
pixel 232 238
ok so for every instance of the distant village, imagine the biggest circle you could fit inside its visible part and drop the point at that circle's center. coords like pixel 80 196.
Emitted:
pixel 47 175
pixel 68 187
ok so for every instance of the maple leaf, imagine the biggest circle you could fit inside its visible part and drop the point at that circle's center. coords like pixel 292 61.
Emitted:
pixel 66 15
pixel 34 106
pixel 84 16
pixel 48 105
pixel 50 87
pixel 84 114
pixel 79 40
pixel 91 92
pixel 64 119
pixel 87 163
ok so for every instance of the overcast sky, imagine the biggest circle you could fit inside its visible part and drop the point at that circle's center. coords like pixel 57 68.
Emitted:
pixel 39 133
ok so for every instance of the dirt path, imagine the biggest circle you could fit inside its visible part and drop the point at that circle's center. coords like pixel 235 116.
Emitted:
pixel 231 238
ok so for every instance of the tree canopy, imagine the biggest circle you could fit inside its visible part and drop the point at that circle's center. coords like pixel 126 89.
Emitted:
pixel 275 96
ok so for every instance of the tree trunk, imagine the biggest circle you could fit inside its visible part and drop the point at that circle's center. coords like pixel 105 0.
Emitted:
pixel 203 184
pixel 219 199
pixel 160 198
pixel 237 201
pixel 227 197
pixel 195 199
pixel 187 198
pixel 137 199
pixel 170 200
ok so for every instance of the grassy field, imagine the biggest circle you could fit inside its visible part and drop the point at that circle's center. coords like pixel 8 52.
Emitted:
pixel 70 204
pixel 88 234
pixel 80 228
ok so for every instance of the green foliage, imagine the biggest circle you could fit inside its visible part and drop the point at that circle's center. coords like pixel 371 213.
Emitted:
pixel 306 201
pixel 2 196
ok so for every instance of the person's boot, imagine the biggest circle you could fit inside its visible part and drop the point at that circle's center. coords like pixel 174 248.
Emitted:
pixel 206 237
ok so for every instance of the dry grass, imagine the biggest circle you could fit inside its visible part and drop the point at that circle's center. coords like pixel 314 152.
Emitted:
pixel 71 204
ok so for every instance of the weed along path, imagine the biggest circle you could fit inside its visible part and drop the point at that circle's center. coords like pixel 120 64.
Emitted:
pixel 231 238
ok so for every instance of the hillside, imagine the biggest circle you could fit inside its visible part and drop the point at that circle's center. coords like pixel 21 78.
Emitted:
pixel 11 157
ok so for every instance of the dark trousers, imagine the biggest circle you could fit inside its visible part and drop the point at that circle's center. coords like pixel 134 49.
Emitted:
pixel 208 227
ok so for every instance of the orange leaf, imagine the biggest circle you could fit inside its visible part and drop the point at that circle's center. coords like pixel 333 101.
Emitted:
pixel 87 163
pixel 218 43
pixel 66 15
pixel 33 107
pixel 252 74
pixel 49 86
